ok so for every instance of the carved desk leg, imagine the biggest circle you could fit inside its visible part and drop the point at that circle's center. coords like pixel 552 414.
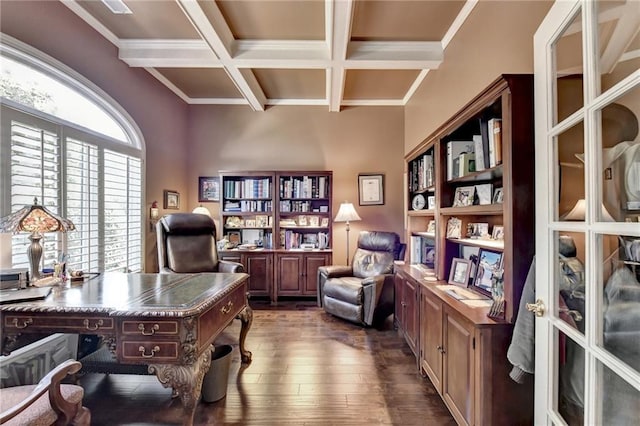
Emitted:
pixel 186 380
pixel 246 317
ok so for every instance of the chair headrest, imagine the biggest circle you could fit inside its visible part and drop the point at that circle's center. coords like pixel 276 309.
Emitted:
pixel 379 241
pixel 188 224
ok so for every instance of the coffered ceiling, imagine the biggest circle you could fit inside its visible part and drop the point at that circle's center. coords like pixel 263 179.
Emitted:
pixel 258 53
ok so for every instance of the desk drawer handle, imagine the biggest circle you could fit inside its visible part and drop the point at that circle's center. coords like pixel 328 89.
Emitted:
pixel 155 328
pixel 97 326
pixel 24 324
pixel 227 308
pixel 153 351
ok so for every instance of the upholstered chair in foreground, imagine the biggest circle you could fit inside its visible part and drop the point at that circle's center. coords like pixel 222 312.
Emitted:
pixel 363 292
pixel 47 403
pixel 187 244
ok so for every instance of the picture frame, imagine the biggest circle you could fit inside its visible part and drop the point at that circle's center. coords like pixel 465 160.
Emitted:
pixel 324 223
pixel 234 238
pixel 371 189
pixel 460 271
pixel 497 233
pixel 485 193
pixel 454 226
pixel 302 220
pixel 314 221
pixel 464 196
pixel 250 223
pixel 171 200
pixel 431 227
pixel 489 264
pixel 431 202
pixel 478 230
pixel 262 221
pixel 498 196
pixel 208 188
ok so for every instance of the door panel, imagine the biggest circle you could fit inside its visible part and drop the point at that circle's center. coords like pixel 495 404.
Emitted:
pixel 458 368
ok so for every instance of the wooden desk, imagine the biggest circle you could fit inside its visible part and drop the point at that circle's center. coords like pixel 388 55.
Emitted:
pixel 165 321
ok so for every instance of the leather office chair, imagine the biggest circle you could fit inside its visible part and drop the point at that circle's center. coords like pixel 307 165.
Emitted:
pixel 187 244
pixel 364 292
pixel 47 403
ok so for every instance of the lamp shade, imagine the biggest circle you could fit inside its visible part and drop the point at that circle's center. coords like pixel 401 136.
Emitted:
pixel 202 210
pixel 347 213
pixel 35 218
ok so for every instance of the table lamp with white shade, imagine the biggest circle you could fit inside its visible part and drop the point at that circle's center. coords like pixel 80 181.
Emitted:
pixel 36 219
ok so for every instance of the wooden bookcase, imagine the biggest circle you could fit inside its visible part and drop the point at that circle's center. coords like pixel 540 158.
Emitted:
pixel 461 348
pixel 287 216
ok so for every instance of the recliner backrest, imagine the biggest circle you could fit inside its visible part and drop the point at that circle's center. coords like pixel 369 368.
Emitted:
pixel 187 243
pixel 375 253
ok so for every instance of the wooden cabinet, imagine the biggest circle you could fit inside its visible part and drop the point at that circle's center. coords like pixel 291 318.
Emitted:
pixel 287 216
pixel 259 265
pixel 406 310
pixel 431 337
pixel 296 273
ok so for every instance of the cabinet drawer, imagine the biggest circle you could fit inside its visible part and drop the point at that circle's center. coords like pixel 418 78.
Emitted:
pixel 222 313
pixel 149 328
pixel 58 324
pixel 149 351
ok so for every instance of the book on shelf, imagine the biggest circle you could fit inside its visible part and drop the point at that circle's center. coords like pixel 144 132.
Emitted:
pixel 454 149
pixel 466 164
pixel 479 151
pixel 494 131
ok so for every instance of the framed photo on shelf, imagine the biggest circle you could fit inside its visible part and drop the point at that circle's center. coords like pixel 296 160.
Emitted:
pixel 464 196
pixel 497 196
pixel 208 188
pixel 324 223
pixel 302 220
pixel 250 223
pixel 431 227
pixel 497 233
pixel 314 221
pixel 485 193
pixel 489 264
pixel 454 226
pixel 262 221
pixel 234 238
pixel 431 202
pixel 371 189
pixel 171 200
pixel 460 270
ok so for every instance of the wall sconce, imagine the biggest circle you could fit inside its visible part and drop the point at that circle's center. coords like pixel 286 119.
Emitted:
pixel 154 215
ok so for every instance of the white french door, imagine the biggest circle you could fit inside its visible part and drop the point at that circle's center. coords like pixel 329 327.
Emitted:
pixel 587 106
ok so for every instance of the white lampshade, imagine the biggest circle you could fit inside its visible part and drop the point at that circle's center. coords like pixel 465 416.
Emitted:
pixel 577 213
pixel 202 210
pixel 347 213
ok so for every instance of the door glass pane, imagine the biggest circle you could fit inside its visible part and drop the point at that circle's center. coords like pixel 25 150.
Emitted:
pixel 569 69
pixel 621 304
pixel 621 158
pixel 571 387
pixel 621 402
pixel 570 174
pixel 570 285
pixel 618 39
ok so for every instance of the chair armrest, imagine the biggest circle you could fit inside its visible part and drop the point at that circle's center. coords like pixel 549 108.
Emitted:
pixel 335 271
pixel 229 266
pixel 49 383
pixel 372 288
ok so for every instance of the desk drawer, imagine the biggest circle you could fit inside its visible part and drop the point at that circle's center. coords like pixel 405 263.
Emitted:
pixel 59 324
pixel 149 352
pixel 222 313
pixel 149 327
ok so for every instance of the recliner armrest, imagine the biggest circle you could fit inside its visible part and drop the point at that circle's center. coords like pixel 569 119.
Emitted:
pixel 229 266
pixel 335 271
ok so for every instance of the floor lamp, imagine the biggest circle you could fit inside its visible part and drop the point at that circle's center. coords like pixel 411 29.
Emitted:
pixel 36 219
pixel 347 213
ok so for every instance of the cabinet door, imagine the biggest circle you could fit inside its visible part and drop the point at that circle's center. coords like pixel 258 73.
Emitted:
pixel 311 265
pixel 260 270
pixel 289 271
pixel 458 369
pixel 411 314
pixel 431 337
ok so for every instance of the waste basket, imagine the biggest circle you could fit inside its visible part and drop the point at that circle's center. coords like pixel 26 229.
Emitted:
pixel 214 384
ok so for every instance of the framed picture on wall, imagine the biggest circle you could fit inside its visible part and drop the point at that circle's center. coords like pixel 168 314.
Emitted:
pixel 371 189
pixel 171 200
pixel 208 188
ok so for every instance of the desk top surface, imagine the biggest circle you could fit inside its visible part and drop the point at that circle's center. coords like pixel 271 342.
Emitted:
pixel 154 295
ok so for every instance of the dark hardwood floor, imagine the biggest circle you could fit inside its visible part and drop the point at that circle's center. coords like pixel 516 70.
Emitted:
pixel 308 368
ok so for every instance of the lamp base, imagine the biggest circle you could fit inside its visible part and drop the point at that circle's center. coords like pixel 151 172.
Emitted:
pixel 34 252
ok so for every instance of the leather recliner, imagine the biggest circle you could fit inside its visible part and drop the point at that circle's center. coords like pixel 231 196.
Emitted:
pixel 363 292
pixel 187 244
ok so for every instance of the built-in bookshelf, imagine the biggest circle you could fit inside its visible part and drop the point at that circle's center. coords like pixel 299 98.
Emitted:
pixel 280 223
pixel 478 167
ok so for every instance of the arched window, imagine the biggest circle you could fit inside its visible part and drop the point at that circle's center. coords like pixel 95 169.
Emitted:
pixel 66 142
